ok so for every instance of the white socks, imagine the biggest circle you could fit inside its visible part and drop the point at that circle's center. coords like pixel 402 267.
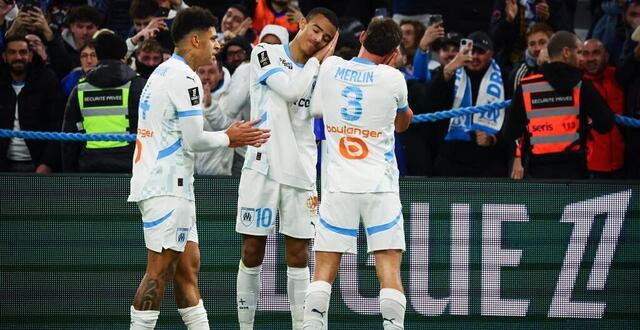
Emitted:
pixel 297 284
pixel 143 320
pixel 248 291
pixel 392 306
pixel 195 317
pixel 316 305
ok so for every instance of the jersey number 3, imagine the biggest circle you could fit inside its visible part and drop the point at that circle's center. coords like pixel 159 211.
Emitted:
pixel 353 110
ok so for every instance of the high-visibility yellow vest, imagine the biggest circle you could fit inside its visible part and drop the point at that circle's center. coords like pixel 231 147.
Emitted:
pixel 104 111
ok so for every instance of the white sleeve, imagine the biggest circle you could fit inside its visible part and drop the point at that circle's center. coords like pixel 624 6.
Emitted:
pixel 185 96
pixel 270 74
pixel 316 98
pixel 401 96
pixel 216 118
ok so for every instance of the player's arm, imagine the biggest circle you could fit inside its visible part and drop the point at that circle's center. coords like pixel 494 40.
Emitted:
pixel 198 140
pixel 273 76
pixel 237 135
pixel 316 106
pixel 403 112
pixel 403 119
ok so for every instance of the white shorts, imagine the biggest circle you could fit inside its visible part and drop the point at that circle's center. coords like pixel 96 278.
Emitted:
pixel 168 222
pixel 259 198
pixel 340 214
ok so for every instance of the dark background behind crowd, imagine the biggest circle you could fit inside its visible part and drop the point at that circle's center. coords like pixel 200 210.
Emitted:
pixel 80 66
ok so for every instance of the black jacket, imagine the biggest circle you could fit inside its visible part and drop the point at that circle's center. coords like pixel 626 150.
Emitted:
pixel 570 165
pixel 62 57
pixel 75 157
pixel 463 158
pixel 40 108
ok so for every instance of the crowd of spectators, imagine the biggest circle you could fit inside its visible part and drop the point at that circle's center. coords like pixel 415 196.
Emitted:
pixel 80 66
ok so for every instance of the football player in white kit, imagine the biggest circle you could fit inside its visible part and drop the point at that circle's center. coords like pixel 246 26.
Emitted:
pixel 280 176
pixel 362 101
pixel 170 130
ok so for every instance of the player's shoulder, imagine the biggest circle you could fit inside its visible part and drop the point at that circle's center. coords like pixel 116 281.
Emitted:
pixel 331 62
pixel 267 49
pixel 391 74
pixel 179 73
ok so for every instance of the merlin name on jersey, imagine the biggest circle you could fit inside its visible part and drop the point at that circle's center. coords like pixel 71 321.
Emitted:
pixel 348 75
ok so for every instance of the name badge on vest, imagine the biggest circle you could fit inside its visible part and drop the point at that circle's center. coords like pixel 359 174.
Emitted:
pixel 102 98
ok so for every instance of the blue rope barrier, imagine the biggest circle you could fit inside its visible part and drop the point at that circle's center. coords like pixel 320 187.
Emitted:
pixel 458 112
pixel 626 121
pixel 34 135
pixel 421 118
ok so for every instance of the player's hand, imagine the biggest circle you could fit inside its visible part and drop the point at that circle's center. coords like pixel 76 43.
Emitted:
pixel 433 32
pixel 485 139
pixel 517 170
pixel 327 50
pixel 243 133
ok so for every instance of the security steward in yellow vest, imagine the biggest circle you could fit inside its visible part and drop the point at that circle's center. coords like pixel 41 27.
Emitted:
pixel 554 110
pixel 106 102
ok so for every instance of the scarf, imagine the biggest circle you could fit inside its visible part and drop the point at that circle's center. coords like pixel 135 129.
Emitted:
pixel 529 7
pixel 491 90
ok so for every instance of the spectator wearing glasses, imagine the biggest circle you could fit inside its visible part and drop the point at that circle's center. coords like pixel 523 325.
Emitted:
pixel 235 52
pixel 106 101
pixel 88 61
pixel 468 147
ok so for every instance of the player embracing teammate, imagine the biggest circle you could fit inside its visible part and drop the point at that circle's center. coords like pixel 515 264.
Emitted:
pixel 363 101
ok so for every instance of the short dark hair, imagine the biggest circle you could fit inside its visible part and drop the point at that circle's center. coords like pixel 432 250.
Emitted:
pixel 16 37
pixel 539 27
pixel 151 45
pixel 382 37
pixel 327 13
pixel 84 14
pixel 241 8
pixel 143 8
pixel 559 41
pixel 89 44
pixel 191 19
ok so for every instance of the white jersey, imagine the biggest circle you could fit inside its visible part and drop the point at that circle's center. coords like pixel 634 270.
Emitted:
pixel 289 157
pixel 162 166
pixel 359 101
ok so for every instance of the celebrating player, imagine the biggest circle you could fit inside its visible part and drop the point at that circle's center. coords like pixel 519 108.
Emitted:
pixel 362 102
pixel 280 176
pixel 170 130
